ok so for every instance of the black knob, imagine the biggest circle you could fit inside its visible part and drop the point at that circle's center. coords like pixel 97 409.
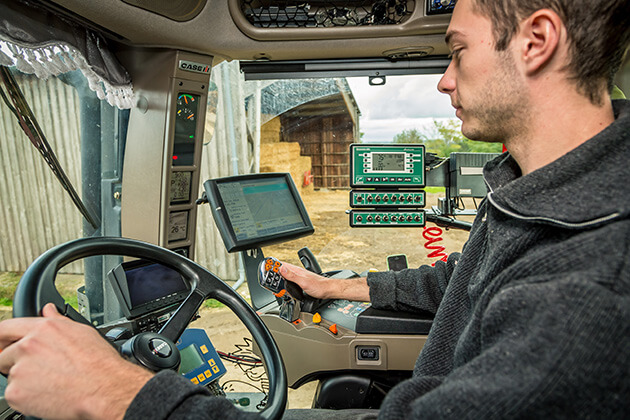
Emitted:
pixel 151 351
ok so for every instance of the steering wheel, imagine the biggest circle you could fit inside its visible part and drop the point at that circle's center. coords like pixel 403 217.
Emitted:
pixel 37 288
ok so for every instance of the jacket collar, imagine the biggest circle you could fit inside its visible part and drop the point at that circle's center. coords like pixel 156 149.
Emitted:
pixel 588 186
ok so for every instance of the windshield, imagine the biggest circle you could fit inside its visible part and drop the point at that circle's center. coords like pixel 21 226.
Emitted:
pixel 306 128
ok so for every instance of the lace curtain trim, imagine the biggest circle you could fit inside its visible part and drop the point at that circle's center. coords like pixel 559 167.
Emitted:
pixel 57 58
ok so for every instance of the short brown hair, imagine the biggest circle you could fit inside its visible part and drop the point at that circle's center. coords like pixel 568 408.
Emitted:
pixel 598 34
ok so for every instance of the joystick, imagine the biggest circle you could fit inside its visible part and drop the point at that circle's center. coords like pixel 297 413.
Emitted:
pixel 289 293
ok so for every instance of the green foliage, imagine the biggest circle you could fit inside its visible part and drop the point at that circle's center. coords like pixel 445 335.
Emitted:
pixel 444 138
pixel 412 135
pixel 211 303
pixel 8 283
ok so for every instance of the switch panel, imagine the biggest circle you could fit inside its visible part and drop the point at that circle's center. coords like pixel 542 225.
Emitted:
pixel 401 198
pixel 387 218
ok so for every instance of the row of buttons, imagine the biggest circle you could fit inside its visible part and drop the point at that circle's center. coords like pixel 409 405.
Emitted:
pixel 386 179
pixel 373 197
pixel 161 302
pixel 206 374
pixel 386 218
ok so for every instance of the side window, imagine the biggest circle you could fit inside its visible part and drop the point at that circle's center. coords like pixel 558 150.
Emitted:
pixel 86 137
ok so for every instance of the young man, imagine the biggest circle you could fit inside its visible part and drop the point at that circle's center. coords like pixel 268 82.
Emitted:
pixel 531 321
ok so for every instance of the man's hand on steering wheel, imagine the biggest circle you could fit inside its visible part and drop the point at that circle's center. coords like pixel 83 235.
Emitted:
pixel 55 359
pixel 58 368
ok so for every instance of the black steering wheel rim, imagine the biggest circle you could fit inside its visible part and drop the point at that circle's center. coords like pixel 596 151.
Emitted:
pixel 37 288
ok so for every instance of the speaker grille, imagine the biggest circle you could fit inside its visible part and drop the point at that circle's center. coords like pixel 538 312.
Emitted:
pixel 317 13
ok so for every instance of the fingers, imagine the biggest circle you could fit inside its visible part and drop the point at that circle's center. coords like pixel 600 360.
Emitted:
pixel 288 271
pixel 6 360
pixel 313 284
pixel 13 330
pixel 50 311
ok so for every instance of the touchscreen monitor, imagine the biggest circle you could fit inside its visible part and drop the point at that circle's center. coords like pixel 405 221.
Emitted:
pixel 257 210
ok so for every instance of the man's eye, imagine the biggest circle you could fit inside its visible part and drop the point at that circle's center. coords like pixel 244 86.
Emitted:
pixel 454 54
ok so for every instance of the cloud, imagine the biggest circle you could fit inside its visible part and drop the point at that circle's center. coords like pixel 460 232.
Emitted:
pixel 404 102
pixel 401 97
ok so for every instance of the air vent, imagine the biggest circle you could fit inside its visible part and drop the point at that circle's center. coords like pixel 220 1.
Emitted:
pixel 325 14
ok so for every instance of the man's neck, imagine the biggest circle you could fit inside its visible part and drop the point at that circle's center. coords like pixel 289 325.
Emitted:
pixel 559 124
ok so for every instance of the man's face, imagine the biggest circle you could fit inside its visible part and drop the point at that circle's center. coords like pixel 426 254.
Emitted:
pixel 485 86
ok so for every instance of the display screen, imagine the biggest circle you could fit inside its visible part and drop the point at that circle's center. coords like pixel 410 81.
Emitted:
pixel 186 111
pixel 191 359
pixel 260 207
pixel 180 187
pixel 177 226
pixel 257 210
pixel 150 282
pixel 388 162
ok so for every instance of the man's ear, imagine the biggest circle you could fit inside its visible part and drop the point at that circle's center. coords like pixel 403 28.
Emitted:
pixel 540 36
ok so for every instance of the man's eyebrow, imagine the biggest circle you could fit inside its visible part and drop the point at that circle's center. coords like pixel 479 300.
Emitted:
pixel 449 36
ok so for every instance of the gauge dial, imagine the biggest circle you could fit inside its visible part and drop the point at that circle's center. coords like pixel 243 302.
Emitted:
pixel 186 107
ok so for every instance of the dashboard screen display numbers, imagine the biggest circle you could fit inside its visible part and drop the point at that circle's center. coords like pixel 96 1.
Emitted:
pixel 388 162
pixel 191 359
pixel 186 110
pixel 177 226
pixel 180 187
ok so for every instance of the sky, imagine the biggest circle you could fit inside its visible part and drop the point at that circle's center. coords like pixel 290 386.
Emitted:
pixel 404 102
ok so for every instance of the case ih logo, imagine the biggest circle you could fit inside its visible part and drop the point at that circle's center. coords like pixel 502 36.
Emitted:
pixel 194 67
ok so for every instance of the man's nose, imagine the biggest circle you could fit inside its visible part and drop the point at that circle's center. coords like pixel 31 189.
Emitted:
pixel 447 82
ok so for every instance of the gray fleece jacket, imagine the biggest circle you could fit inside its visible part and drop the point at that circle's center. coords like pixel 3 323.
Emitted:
pixel 532 319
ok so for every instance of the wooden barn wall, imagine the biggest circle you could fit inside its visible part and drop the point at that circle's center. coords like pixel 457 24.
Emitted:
pixel 326 139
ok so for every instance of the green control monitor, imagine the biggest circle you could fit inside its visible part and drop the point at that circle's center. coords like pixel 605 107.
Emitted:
pixel 387 165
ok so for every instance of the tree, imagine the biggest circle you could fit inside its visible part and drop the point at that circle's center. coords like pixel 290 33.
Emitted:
pixel 409 136
pixel 444 138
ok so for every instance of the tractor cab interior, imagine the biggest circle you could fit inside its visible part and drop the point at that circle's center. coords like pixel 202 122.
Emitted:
pixel 179 142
